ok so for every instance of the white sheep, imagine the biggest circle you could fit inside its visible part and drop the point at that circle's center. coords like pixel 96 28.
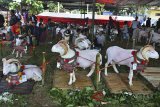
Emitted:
pixel 20 46
pixel 136 34
pixel 84 59
pixel 13 66
pixel 144 34
pixel 82 42
pixel 155 37
pixel 120 56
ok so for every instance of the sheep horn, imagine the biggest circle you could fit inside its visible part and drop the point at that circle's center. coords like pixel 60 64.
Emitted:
pixel 145 49
pixel 78 40
pixel 16 61
pixel 4 60
pixel 63 44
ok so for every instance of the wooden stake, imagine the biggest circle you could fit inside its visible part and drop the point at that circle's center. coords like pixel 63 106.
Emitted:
pixel 43 68
pixel 97 69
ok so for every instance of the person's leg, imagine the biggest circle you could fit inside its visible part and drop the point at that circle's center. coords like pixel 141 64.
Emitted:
pixel 30 39
pixel 37 39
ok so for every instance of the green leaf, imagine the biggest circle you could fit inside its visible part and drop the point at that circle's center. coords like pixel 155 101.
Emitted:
pixel 91 105
pixel 70 105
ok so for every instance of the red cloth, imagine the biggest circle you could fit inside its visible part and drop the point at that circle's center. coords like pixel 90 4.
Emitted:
pixel 19 48
pixel 80 21
pixel 16 29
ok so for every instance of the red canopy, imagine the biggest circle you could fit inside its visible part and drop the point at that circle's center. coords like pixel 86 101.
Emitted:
pixel 106 1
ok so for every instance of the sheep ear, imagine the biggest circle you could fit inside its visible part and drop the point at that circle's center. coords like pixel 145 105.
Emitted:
pixel 4 60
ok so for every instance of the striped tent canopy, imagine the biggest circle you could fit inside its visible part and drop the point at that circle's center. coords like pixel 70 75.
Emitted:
pixel 116 2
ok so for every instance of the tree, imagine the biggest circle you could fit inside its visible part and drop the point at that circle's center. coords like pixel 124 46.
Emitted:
pixel 142 9
pixel 4 4
pixel 14 6
pixel 53 6
pixel 100 8
pixel 35 6
pixel 5 1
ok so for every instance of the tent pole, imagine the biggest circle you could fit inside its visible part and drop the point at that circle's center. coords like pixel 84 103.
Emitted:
pixel 87 8
pixel 93 17
pixel 84 11
pixel 58 7
pixel 81 9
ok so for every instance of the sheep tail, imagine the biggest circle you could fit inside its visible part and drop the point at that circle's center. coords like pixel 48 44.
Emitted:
pixel 105 56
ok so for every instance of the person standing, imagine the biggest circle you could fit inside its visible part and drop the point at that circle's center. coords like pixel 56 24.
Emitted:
pixel 158 25
pixel 33 18
pixel 110 24
pixel 33 33
pixel 135 23
pixel 13 18
pixel 16 29
pixel 1 21
pixel 125 31
pixel 100 39
pixel 148 22
pixel 135 26
pixel 49 28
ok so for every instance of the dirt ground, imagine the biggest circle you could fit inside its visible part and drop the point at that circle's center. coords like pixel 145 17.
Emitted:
pixel 40 97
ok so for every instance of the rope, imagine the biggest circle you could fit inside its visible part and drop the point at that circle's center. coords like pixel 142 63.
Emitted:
pixel 98 64
pixel 88 59
pixel 107 66
pixel 114 64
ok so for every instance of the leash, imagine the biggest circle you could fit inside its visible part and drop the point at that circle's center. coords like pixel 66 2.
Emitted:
pixel 114 64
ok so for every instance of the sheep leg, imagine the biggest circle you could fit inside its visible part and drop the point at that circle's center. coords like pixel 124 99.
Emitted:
pixel 139 38
pixel 70 79
pixel 147 40
pixel 106 66
pixel 58 65
pixel 115 68
pixel 91 71
pixel 130 76
pixel 25 50
pixel 74 76
pixel 17 54
pixel 21 54
pixel 13 51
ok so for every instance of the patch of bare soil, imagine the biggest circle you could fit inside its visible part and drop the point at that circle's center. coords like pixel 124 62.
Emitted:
pixel 40 97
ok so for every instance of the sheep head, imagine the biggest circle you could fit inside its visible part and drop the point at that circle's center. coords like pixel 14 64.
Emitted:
pixel 61 47
pixel 11 65
pixel 148 51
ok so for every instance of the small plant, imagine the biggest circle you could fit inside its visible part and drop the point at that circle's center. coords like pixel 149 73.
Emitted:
pixel 73 98
pixel 6 97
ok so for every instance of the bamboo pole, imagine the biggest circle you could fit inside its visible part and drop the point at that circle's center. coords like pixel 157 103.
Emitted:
pixel 97 70
pixel 43 68
pixel 34 45
pixel 133 45
pixel 1 48
pixel 93 19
